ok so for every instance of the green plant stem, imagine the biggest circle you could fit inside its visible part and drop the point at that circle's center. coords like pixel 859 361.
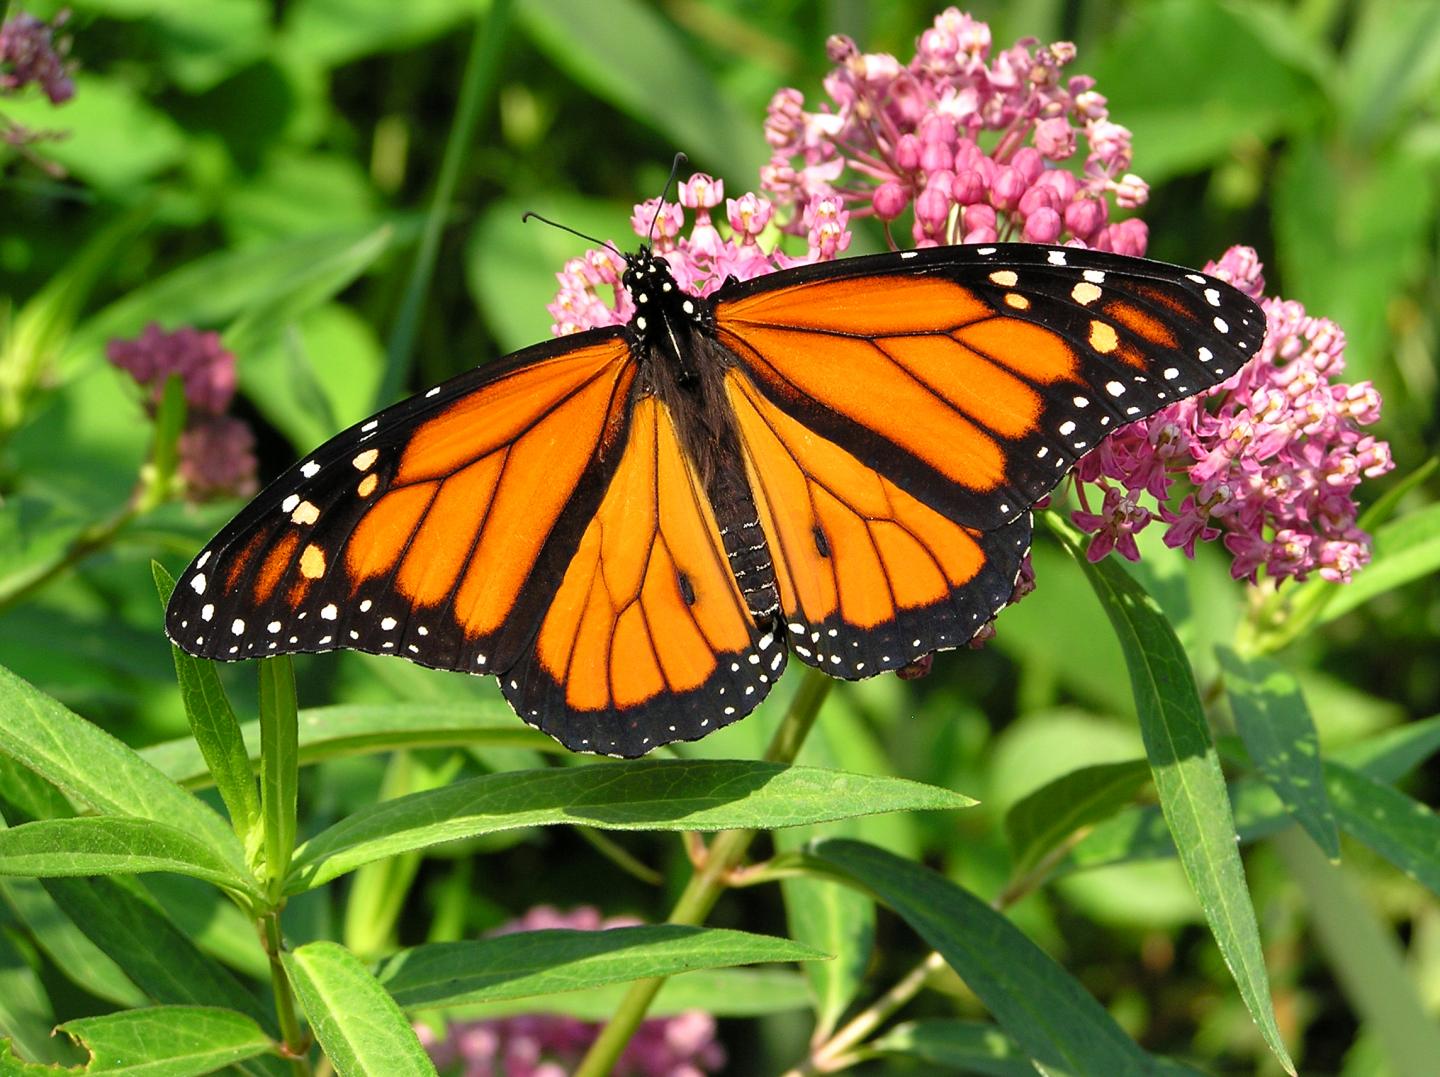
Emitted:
pixel 708 883
pixel 835 1053
pixel 292 1034
pixel 480 69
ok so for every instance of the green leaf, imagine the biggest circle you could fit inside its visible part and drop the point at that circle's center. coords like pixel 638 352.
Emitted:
pixel 109 845
pixel 330 33
pixel 643 795
pixel 628 54
pixel 26 1013
pixel 279 766
pixel 1038 1004
pixel 1275 723
pixel 359 1026
pixel 73 955
pixel 113 140
pixel 90 765
pixel 330 732
pixel 719 992
pixel 1399 828
pixel 168 1041
pixel 838 920
pixel 546 962
pixel 1390 755
pixel 214 728
pixel 967 1046
pixel 318 378
pixel 303 289
pixel 1188 779
pixel 218 288
pixel 124 922
pixel 1406 549
pixel 1041 821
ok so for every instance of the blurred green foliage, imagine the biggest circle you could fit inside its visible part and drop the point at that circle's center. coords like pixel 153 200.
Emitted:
pixel 266 170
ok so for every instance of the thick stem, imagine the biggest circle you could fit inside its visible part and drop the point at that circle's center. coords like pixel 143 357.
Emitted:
pixel 707 884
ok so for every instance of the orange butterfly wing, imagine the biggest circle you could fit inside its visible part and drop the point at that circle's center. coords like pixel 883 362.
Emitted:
pixel 423 531
pixel 900 414
pixel 648 639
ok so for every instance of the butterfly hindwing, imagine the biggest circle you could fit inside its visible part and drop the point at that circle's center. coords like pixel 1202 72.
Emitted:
pixel 869 577
pixel 422 531
pixel 976 376
pixel 648 639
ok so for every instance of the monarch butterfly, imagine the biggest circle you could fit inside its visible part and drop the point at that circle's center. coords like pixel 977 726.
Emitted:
pixel 635 526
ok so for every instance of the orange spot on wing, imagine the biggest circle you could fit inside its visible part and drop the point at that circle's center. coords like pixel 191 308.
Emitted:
pixel 274 566
pixel 1144 325
pixel 242 560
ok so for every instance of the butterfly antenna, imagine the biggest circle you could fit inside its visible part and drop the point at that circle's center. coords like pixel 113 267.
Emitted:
pixel 527 215
pixel 680 159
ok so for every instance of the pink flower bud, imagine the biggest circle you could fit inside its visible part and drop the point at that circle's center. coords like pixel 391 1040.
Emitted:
pixel 1042 226
pixel 1009 185
pixel 1085 217
pixel 968 187
pixel 1028 163
pixel 907 153
pixel 889 200
pixel 932 208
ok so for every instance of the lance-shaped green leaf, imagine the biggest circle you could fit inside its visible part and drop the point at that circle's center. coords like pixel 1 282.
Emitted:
pixel 124 922
pixel 110 845
pixel 167 1041
pixel 1391 754
pixel 646 795
pixel 1042 820
pixel 546 962
pixel 92 766
pixel 1399 828
pixel 350 729
pixel 71 952
pixel 1188 778
pixel 215 732
pixel 1038 1004
pixel 760 992
pixel 359 1026
pixel 1275 723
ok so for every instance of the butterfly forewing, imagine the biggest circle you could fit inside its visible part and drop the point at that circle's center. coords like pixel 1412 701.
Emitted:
pixel 975 379
pixel 422 531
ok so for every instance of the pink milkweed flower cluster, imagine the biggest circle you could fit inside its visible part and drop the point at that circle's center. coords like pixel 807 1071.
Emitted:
pixel 30 53
pixel 544 1045
pixel 964 137
pixel 591 295
pixel 1271 457
pixel 216 450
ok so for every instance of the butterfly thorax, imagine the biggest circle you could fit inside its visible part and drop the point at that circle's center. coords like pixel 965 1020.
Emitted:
pixel 684 366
